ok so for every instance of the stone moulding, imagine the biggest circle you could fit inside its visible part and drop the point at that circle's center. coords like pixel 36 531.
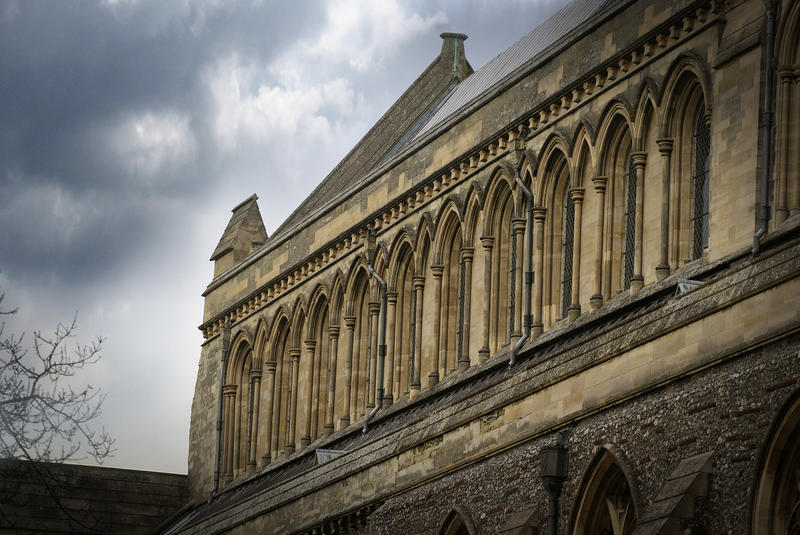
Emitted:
pixel 657 42
pixel 595 338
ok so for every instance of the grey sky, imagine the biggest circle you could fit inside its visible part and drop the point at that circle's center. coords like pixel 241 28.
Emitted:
pixel 130 128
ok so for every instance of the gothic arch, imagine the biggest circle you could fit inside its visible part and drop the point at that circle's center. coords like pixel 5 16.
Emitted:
pixel 277 368
pixel 425 234
pixel 686 122
pixel 260 344
pixel 313 369
pixel 615 115
pixel 616 164
pixel 358 276
pixel 448 221
pixel 401 312
pixel 457 522
pixel 315 315
pixel 776 498
pixel 497 248
pixel 447 292
pixel 556 256
pixel 647 114
pixel 553 146
pixel 237 406
pixel 607 500
pixel 787 136
pixel 583 157
pixel 472 212
pixel 240 348
pixel 674 90
pixel 336 299
pixel 298 321
pixel 499 187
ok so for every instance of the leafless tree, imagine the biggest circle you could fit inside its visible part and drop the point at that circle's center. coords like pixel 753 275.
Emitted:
pixel 43 417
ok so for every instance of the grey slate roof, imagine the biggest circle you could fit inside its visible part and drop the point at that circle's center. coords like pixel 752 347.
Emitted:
pixel 524 51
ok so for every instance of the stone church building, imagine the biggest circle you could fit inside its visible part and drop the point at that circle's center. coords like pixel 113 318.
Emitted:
pixel 558 294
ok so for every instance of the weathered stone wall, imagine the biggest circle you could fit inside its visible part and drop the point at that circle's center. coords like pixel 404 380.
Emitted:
pixel 726 410
pixel 642 374
pixel 66 499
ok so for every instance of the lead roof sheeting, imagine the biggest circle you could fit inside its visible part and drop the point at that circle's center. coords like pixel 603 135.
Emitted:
pixel 538 40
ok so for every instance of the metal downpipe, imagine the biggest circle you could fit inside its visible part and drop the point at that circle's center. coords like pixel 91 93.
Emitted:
pixel 766 126
pixel 226 335
pixel 527 320
pixel 381 350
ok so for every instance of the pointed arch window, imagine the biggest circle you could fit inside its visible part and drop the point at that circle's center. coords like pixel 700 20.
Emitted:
pixel 701 156
pixel 630 225
pixel 606 507
pixel 454 524
pixel 567 241
pixel 776 509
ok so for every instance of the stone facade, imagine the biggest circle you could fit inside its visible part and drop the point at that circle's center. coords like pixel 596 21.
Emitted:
pixel 567 242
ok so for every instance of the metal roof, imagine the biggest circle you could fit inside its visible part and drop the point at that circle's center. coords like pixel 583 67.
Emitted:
pixel 539 40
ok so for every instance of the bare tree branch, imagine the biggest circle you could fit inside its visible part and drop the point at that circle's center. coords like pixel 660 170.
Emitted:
pixel 42 416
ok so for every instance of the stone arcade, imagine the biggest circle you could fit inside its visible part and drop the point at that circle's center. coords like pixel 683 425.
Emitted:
pixel 589 206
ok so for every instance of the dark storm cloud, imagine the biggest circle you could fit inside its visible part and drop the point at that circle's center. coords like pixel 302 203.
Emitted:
pixel 130 128
pixel 75 74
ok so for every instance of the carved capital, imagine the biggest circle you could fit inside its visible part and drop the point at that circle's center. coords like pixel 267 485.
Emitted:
pixel 577 195
pixel 255 374
pixel 419 282
pixel 539 214
pixel 229 390
pixel 374 308
pixel 639 159
pixel 518 225
pixel 391 297
pixel 786 74
pixel 349 321
pixel 665 145
pixel 467 253
pixel 271 365
pixel 294 353
pixel 487 242
pixel 333 331
pixel 310 344
pixel 599 183
pixel 437 270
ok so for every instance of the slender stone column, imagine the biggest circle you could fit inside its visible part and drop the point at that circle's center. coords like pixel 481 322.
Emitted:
pixel 294 357
pixel 374 310
pixel 438 359
pixel 538 237
pixel 574 309
pixel 229 396
pixel 396 336
pixel 333 335
pixel 518 229
pixel 782 145
pixel 388 378
pixel 665 148
pixel 256 382
pixel 596 300
pixel 311 346
pixel 349 327
pixel 415 364
pixel 639 161
pixel 488 245
pixel 467 254
pixel 267 457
